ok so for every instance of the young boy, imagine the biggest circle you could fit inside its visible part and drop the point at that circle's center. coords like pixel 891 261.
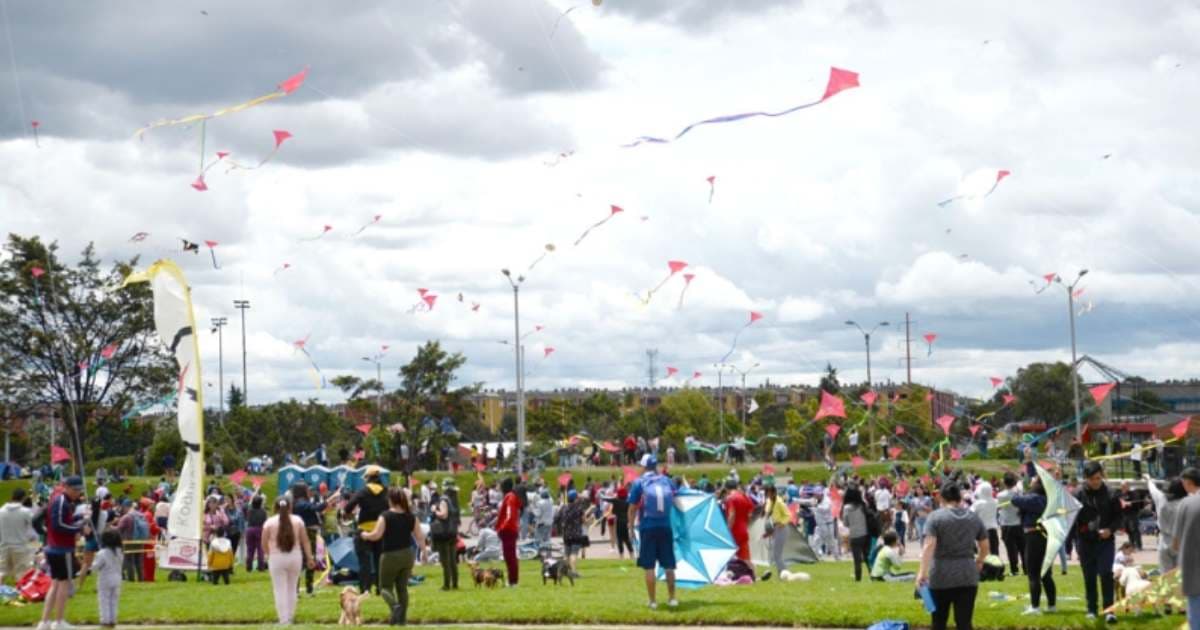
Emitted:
pixel 887 561
pixel 220 557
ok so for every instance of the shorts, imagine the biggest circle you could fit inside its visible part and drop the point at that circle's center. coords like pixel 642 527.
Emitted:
pixel 61 565
pixel 91 545
pixel 161 521
pixel 657 546
pixel 15 560
pixel 573 546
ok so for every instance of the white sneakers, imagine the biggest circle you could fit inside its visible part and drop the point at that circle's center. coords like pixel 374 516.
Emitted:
pixel 1032 611
pixel 674 603
pixel 653 605
pixel 63 625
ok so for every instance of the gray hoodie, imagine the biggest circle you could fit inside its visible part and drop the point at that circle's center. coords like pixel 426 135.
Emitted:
pixel 16 525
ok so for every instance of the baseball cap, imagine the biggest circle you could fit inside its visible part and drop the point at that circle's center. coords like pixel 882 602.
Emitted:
pixel 572 495
pixel 74 482
pixel 648 461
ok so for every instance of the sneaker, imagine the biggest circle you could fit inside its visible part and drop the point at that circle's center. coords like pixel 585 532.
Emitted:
pixel 1110 618
pixel 766 576
pixel 653 605
pixel 1032 611
pixel 1091 616
pixel 44 625
pixel 673 603
pixel 1052 609
pixel 63 625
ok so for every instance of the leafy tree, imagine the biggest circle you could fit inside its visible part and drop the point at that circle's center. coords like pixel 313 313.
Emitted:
pixel 1044 394
pixel 1145 402
pixel 425 397
pixel 235 398
pixel 691 411
pixel 829 381
pixel 282 427
pixel 56 326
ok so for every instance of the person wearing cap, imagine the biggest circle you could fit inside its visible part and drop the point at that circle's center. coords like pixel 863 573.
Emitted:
pixel 651 500
pixel 62 529
pixel 370 501
pixel 1187 543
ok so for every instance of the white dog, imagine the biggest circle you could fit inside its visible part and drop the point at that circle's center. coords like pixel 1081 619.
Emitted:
pixel 799 576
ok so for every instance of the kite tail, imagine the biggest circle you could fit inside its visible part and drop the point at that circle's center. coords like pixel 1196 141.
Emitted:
pixel 651 292
pixel 594 226
pixel 946 202
pixel 681 294
pixel 214 258
pixel 536 261
pixel 733 346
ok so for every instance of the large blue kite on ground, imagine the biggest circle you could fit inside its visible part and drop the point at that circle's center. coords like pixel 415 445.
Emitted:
pixel 703 544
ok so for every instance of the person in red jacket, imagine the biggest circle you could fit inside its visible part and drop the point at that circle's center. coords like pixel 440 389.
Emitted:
pixel 508 528
pixel 148 560
pixel 63 527
pixel 738 508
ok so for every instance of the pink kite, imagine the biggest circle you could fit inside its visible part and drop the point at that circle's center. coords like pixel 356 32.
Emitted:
pixel 1180 430
pixel 35 124
pixel 857 461
pixel 58 454
pixel 902 488
pixel 629 475
pixel 674 267
pixel 199 184
pixel 768 469
pixel 363 428
pixel 899 430
pixel 213 252
pixel 324 230
pixel 359 454
pixel 696 375
pixel 945 422
pixel 283 267
pixel 672 371
pixel 754 316
pixel 480 466
pixel 928 396
pixel 280 135
pixel 830 406
pixel 687 282
pixel 564 479
pixel 293 83
pixel 37 272
pixel 108 351
pixel 869 398
pixel 838 80
pixel 422 292
pixel 1049 278
pixel 974 428
pixel 929 339
pixel 613 211
pixel 237 477
pixel 712 186
pixel 368 224
pixel 996 381
pixel 1077 293
pixel 257 482
pixel 1100 392
pixel 955 455
pixel 429 300
pixel 894 452
pixel 833 430
pixel 549 350
pixel 1009 399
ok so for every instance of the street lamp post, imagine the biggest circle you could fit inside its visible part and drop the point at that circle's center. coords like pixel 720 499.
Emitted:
pixel 219 325
pixel 743 391
pixel 1074 361
pixel 867 342
pixel 243 305
pixel 378 361
pixel 516 287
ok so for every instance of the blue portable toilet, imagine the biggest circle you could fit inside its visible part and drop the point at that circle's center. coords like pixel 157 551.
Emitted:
pixel 289 475
pixel 341 477
pixel 315 476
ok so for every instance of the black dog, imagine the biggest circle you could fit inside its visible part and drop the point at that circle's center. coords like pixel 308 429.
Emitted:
pixel 556 569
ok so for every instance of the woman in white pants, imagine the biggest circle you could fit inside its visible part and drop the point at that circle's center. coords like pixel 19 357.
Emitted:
pixel 286 544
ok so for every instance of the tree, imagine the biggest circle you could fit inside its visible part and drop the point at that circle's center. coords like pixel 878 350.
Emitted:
pixel 1044 394
pixel 690 411
pixel 70 339
pixel 1145 402
pixel 425 397
pixel 236 399
pixel 829 382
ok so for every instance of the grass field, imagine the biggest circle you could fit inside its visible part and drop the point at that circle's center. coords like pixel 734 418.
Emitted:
pixel 802 472
pixel 610 592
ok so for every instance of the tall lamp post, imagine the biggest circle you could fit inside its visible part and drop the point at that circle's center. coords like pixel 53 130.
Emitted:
pixel 243 306
pixel 870 383
pixel 1074 362
pixel 516 287
pixel 218 326
pixel 378 361
pixel 743 392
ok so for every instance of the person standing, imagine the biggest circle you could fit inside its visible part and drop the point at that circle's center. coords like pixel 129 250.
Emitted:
pixel 1009 520
pixel 395 531
pixel 1131 506
pixel 956 545
pixel 62 529
pixel 779 519
pixel 286 543
pixel 1165 506
pixel 16 537
pixel 508 528
pixel 1030 508
pixel 443 529
pixel 651 500
pixel 985 508
pixel 826 526
pixel 309 509
pixel 1094 527
pixel 370 501
pixel 256 516
pixel 107 566
pixel 738 508
pixel 1187 543
pixel 132 526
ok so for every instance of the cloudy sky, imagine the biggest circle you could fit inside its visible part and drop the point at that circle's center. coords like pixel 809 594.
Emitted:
pixel 444 116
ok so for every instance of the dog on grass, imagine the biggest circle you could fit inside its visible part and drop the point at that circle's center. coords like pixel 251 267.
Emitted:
pixel 798 576
pixel 556 569
pixel 490 578
pixel 351 603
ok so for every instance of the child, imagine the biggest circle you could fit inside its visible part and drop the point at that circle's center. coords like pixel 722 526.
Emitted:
pixel 220 557
pixel 1124 558
pixel 107 566
pixel 887 562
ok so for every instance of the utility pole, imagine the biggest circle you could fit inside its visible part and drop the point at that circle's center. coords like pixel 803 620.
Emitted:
pixel 243 305
pixel 218 325
pixel 867 342
pixel 651 355
pixel 908 347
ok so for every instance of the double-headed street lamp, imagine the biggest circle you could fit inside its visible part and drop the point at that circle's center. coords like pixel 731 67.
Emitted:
pixel 516 287
pixel 867 342
pixel 378 361
pixel 743 373
pixel 218 324
pixel 1074 362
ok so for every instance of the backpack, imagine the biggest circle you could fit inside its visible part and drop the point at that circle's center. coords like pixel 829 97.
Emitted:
pixel 872 518
pixel 141 528
pixel 657 496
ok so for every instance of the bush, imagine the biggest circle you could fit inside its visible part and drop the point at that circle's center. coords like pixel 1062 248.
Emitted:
pixel 122 464
pixel 166 440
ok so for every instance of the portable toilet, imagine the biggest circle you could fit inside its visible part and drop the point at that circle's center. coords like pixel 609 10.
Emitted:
pixel 289 475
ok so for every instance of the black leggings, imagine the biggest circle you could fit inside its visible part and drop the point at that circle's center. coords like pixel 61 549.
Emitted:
pixel 994 541
pixel 623 538
pixel 1035 554
pixel 961 598
pixel 1014 544
pixel 860 550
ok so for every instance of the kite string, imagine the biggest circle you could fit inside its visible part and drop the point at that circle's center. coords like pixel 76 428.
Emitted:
pixel 550 45
pixel 12 55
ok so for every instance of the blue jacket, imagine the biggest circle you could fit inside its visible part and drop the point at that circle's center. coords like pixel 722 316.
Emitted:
pixel 1030 507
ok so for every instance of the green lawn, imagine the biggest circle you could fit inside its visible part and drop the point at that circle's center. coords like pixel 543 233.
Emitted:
pixel 801 471
pixel 610 592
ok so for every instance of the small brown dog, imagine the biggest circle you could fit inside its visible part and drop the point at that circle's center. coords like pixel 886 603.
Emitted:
pixel 351 603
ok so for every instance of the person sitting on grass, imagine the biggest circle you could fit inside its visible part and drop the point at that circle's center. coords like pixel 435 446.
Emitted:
pixel 888 563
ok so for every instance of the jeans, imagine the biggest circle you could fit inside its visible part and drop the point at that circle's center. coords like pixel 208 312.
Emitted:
pixel 962 598
pixel 1193 615
pixel 1035 554
pixel 395 567
pixel 1014 543
pixel 508 544
pixel 313 533
pixel 447 551
pixel 1096 558
pixel 827 532
pixel 542 535
pixel 368 563
pixel 132 569
pixel 859 549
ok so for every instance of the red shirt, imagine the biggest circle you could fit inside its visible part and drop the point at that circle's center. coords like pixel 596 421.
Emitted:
pixel 739 506
pixel 510 514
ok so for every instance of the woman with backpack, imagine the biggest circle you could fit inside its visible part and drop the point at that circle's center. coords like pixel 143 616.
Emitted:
pixel 443 529
pixel 854 515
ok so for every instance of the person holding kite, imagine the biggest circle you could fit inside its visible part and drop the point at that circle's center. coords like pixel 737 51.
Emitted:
pixel 1030 506
pixel 651 500
pixel 1095 525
